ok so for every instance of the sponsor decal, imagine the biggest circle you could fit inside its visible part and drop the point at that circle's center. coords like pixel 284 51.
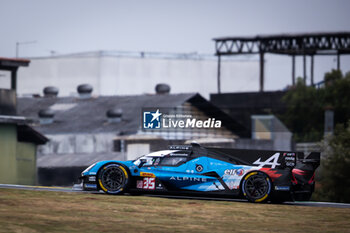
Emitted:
pixel 199 168
pixel 139 184
pixel 290 164
pixel 289 159
pixel 239 172
pixel 179 147
pixel 186 178
pixel 154 119
pixel 147 174
pixel 272 161
pixel 90 186
pixel 92 178
pixel 289 154
pixel 231 172
pixel 282 188
pixel 149 183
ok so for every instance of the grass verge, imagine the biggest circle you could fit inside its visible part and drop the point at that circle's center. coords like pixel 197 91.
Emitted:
pixel 43 211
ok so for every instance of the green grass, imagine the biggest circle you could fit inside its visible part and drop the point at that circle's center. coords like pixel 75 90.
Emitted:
pixel 39 211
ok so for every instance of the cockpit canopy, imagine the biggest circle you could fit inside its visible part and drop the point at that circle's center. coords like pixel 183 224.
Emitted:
pixel 163 158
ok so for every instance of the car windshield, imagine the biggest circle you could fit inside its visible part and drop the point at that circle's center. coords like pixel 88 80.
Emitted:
pixel 149 160
pixel 162 158
pixel 151 157
pixel 172 160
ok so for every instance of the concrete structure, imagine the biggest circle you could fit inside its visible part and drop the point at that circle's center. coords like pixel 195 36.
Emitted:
pixel 8 71
pixel 241 106
pixel 116 73
pixel 18 144
pixel 257 112
pixel 18 141
pixel 269 127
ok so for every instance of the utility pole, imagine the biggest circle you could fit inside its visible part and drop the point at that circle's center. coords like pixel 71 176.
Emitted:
pixel 262 71
pixel 219 74
pixel 23 43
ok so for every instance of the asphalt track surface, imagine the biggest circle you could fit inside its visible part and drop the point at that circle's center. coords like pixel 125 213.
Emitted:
pixel 76 189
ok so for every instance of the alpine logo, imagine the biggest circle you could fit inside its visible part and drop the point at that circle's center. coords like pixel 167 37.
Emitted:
pixel 272 161
pixel 186 178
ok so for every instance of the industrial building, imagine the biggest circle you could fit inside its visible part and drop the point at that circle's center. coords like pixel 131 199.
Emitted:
pixel 125 73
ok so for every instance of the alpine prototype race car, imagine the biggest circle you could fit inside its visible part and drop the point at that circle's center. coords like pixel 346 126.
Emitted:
pixel 256 175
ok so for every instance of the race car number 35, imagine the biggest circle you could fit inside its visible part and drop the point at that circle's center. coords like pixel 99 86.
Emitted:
pixel 149 183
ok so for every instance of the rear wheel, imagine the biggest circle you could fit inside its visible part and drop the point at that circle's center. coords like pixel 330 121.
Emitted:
pixel 113 178
pixel 256 187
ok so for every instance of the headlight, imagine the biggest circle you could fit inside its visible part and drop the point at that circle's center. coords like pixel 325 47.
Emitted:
pixel 88 169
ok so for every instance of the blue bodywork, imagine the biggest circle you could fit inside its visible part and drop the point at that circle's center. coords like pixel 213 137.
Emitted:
pixel 258 175
pixel 186 176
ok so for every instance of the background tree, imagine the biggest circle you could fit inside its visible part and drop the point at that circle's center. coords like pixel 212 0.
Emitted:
pixel 306 106
pixel 337 95
pixel 304 115
pixel 335 182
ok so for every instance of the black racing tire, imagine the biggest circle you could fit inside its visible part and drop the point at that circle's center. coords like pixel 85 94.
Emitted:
pixel 256 187
pixel 113 178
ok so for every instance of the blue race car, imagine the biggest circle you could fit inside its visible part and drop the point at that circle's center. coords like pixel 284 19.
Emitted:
pixel 256 175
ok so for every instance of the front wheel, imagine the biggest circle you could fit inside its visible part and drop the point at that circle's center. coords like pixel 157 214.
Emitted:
pixel 113 178
pixel 256 187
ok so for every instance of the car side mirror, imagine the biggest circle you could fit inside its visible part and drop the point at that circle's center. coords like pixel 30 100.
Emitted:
pixel 142 162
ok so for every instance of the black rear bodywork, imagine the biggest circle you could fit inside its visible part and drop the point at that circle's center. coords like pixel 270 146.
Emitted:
pixel 295 169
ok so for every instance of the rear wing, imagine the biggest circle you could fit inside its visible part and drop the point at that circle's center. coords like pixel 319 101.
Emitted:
pixel 259 158
pixel 313 158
